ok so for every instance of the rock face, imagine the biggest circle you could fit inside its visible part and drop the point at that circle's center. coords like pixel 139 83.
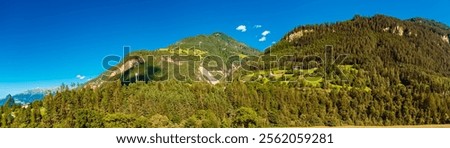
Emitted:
pixel 170 60
pixel 298 34
pixel 206 74
pixel 129 64
pixel 398 30
pixel 445 39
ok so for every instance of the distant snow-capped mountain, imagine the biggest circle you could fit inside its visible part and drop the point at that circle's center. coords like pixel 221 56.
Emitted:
pixel 28 96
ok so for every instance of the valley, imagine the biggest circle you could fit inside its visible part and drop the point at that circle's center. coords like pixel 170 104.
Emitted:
pixel 376 71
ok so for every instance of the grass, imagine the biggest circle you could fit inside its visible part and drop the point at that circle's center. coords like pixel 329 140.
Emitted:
pixel 195 52
pixel 314 81
pixel 338 86
pixel 304 74
pixel 242 56
pixel 396 126
pixel 348 68
pixel 279 72
pixel 308 71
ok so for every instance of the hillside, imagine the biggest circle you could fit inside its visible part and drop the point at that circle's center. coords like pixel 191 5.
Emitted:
pixel 436 26
pixel 218 44
pixel 408 53
pixel 379 41
pixel 174 62
pixel 368 71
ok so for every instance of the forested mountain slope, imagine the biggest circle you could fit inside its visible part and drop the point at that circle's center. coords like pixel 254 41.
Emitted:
pixel 375 42
pixel 396 72
pixel 174 62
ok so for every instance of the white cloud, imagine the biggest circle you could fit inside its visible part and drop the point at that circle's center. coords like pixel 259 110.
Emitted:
pixel 258 26
pixel 80 77
pixel 274 42
pixel 265 33
pixel 262 39
pixel 241 28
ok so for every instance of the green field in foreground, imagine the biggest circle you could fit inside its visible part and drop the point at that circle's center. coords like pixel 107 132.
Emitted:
pixel 398 126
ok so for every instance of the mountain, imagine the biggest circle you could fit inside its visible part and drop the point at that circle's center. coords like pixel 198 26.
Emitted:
pixel 406 52
pixel 7 100
pixel 430 23
pixel 27 97
pixel 217 44
pixel 174 59
pixel 365 53
pixel 367 71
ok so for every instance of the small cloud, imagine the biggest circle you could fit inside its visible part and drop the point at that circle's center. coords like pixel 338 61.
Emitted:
pixel 258 26
pixel 262 39
pixel 274 42
pixel 81 77
pixel 241 28
pixel 265 33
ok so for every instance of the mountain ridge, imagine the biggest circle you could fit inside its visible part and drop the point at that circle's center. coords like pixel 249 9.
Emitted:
pixel 390 76
pixel 216 44
pixel 376 31
pixel 27 97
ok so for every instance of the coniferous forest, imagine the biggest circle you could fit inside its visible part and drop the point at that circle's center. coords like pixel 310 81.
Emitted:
pixel 396 72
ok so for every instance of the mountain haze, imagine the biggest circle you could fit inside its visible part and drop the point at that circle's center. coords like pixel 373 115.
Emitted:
pixel 27 97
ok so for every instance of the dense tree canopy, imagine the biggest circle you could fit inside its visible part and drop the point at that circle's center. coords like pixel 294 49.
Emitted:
pixel 236 104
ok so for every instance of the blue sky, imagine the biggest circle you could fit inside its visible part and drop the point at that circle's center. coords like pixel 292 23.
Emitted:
pixel 48 42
